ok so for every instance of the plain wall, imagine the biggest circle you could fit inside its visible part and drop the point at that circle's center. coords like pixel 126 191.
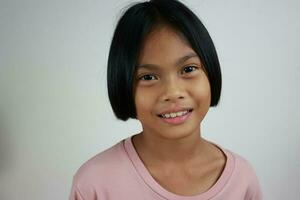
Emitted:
pixel 55 113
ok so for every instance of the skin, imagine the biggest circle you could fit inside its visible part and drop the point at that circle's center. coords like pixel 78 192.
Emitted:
pixel 175 155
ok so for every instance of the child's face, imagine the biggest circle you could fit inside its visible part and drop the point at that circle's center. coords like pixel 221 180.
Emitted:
pixel 169 84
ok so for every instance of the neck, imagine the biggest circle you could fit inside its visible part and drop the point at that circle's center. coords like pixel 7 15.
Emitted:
pixel 169 151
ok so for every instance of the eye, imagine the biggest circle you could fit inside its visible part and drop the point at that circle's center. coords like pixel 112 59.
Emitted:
pixel 147 77
pixel 189 69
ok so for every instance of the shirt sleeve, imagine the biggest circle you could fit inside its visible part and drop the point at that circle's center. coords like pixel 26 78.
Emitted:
pixel 254 194
pixel 84 189
pixel 254 191
pixel 75 194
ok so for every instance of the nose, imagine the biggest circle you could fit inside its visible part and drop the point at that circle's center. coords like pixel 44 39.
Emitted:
pixel 172 90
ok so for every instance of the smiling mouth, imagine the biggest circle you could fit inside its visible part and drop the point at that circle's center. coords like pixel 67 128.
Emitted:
pixel 175 114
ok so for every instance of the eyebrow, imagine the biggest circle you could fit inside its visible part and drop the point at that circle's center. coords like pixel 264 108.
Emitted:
pixel 178 62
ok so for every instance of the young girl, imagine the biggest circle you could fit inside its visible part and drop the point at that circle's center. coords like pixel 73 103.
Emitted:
pixel 163 70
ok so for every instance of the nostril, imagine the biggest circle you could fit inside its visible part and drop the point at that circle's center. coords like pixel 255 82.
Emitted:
pixel 169 98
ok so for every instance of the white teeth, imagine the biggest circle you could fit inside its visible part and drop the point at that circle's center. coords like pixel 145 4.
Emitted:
pixel 172 115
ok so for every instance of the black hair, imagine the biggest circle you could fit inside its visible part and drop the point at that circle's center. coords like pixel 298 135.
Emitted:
pixel 131 30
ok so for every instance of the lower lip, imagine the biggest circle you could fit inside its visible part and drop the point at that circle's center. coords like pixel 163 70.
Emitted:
pixel 177 120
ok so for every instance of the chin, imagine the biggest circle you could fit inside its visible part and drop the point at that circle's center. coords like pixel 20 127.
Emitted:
pixel 176 133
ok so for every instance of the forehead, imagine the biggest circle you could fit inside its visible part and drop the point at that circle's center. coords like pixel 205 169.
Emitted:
pixel 166 46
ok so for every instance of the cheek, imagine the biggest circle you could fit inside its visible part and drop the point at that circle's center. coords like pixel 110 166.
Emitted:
pixel 143 100
pixel 202 93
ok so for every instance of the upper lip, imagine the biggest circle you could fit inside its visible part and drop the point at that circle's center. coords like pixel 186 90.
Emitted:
pixel 175 110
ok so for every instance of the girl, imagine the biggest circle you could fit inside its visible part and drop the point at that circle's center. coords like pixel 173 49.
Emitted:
pixel 163 70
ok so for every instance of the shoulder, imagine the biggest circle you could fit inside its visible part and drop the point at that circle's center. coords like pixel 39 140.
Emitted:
pixel 98 175
pixel 243 165
pixel 246 175
pixel 97 169
pixel 236 161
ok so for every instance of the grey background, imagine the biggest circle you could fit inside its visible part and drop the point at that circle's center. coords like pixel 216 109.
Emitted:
pixel 54 110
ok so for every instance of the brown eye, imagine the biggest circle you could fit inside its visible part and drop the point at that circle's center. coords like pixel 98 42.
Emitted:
pixel 147 77
pixel 189 69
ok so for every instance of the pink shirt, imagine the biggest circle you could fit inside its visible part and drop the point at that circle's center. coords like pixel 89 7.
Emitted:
pixel 119 174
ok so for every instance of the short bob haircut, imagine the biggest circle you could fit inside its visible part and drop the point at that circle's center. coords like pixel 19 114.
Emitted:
pixel 132 29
